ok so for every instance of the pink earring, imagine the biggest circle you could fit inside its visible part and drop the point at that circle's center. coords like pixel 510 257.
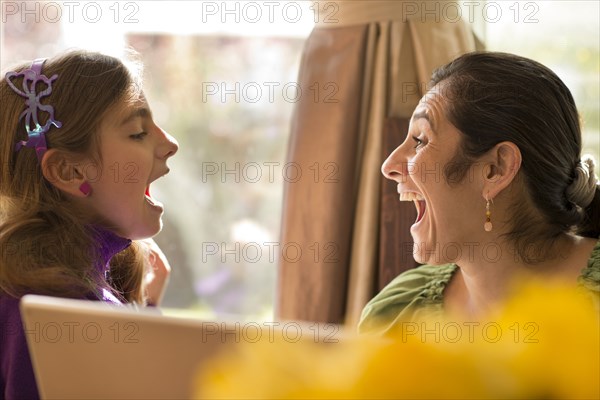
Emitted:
pixel 488 222
pixel 85 188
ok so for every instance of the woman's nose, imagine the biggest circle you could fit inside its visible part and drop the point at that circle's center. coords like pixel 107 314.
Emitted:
pixel 394 167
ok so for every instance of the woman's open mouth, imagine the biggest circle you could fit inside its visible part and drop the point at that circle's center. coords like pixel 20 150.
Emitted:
pixel 419 201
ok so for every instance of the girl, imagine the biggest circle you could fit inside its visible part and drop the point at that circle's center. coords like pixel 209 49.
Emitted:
pixel 79 150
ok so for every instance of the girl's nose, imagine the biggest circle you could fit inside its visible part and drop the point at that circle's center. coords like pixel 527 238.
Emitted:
pixel 168 146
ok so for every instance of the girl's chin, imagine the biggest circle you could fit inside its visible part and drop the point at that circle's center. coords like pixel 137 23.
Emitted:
pixel 146 231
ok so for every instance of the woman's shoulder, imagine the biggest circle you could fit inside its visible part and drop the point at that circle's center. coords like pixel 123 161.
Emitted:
pixel 403 296
pixel 418 278
pixel 590 276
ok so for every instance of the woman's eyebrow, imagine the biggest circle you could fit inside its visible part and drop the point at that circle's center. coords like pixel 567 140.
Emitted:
pixel 423 115
pixel 137 112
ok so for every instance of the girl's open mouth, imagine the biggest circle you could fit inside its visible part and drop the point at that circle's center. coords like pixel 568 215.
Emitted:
pixel 150 200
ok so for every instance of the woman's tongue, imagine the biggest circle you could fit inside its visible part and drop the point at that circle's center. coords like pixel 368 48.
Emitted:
pixel 420 210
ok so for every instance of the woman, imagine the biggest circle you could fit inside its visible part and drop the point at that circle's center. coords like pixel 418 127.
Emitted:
pixel 493 163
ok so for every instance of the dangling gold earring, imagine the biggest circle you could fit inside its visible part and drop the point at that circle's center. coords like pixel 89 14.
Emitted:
pixel 488 222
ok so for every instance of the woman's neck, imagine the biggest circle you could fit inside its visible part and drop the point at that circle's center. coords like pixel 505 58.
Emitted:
pixel 484 280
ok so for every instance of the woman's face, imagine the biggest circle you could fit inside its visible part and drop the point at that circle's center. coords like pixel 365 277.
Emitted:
pixel 449 217
pixel 134 153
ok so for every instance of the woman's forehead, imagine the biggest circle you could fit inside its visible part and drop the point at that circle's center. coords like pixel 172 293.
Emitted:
pixel 430 107
pixel 434 96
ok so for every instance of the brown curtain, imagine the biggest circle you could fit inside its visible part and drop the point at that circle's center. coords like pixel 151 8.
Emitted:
pixel 344 233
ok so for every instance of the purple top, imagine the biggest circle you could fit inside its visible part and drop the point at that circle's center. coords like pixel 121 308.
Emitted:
pixel 17 380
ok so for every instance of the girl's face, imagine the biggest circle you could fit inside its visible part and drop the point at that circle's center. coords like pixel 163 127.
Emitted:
pixel 134 152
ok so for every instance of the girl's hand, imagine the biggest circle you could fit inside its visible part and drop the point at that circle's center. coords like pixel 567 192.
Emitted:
pixel 158 276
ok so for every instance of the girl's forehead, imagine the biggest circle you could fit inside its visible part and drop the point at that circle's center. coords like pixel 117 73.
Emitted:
pixel 126 110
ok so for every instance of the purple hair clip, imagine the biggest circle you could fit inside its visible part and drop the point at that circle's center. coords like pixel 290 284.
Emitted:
pixel 37 135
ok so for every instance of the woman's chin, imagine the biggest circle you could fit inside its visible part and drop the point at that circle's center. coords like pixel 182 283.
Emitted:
pixel 418 252
pixel 429 259
pixel 427 251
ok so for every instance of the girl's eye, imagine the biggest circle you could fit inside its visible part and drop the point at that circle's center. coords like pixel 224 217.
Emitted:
pixel 138 136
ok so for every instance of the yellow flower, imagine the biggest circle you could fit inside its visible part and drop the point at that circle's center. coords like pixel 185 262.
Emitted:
pixel 545 343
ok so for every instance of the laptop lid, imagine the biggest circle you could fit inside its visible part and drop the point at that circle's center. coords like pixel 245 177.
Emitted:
pixel 82 349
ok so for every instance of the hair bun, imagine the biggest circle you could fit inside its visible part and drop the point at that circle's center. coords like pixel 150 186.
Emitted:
pixel 583 188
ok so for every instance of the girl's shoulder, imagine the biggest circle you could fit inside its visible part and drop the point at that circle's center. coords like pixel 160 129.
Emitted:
pixel 17 379
pixel 9 311
pixel 407 294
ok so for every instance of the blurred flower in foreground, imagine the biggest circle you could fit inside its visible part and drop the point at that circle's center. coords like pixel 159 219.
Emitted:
pixel 545 344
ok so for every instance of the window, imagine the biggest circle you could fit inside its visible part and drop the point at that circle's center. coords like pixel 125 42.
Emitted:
pixel 562 35
pixel 228 101
pixel 220 77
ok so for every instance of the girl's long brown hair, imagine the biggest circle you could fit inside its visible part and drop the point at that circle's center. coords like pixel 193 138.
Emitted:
pixel 46 246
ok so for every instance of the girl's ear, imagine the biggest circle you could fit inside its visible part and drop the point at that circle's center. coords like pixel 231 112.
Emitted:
pixel 503 164
pixel 64 171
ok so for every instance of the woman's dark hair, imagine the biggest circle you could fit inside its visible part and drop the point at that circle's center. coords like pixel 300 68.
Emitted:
pixel 495 97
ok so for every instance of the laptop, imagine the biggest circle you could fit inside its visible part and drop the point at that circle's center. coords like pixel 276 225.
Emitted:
pixel 90 350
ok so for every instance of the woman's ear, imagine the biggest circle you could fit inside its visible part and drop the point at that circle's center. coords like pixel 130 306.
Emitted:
pixel 503 162
pixel 64 171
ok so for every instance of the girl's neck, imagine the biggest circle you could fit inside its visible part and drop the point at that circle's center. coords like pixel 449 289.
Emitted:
pixel 109 244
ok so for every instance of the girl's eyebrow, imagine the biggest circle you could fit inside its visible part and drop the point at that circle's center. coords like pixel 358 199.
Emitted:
pixel 142 112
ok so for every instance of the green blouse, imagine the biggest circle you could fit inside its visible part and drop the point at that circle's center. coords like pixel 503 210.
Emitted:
pixel 419 293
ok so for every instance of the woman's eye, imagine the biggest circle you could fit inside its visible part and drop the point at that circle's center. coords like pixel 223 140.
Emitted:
pixel 418 142
pixel 138 136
